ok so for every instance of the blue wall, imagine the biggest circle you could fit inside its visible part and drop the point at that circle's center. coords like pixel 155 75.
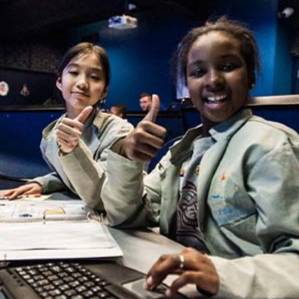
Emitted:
pixel 20 137
pixel 283 76
pixel 140 57
pixel 273 40
pixel 21 132
pixel 140 60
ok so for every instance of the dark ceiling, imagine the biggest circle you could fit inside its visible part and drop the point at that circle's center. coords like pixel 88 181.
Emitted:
pixel 22 18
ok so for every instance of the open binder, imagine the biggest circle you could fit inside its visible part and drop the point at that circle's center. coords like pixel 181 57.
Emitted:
pixel 53 229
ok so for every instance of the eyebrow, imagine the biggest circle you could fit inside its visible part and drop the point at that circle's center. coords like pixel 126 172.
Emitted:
pixel 195 63
pixel 226 56
pixel 233 55
pixel 94 69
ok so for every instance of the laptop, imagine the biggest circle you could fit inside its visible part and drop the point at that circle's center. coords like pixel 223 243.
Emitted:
pixel 73 279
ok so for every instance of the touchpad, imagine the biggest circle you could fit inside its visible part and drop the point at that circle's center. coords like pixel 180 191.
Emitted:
pixel 137 287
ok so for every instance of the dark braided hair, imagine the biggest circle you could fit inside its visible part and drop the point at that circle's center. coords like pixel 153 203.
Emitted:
pixel 249 49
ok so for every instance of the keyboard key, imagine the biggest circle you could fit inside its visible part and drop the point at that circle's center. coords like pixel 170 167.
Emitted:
pixel 65 281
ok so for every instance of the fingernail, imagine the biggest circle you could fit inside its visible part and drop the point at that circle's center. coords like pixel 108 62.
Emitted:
pixel 168 293
pixel 149 282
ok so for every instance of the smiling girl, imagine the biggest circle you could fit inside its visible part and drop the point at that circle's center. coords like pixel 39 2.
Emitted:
pixel 228 190
pixel 75 145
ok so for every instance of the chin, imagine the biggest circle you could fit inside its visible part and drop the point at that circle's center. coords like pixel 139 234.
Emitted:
pixel 216 119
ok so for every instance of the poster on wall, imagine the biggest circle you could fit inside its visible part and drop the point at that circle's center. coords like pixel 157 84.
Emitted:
pixel 25 92
pixel 4 88
pixel 25 88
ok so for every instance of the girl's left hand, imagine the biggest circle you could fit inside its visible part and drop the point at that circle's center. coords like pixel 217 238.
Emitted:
pixel 191 266
pixel 69 130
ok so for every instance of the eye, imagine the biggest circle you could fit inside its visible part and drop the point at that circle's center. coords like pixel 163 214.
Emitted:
pixel 95 77
pixel 228 67
pixel 197 72
pixel 73 72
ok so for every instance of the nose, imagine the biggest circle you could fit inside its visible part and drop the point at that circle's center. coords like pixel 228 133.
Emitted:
pixel 82 82
pixel 214 79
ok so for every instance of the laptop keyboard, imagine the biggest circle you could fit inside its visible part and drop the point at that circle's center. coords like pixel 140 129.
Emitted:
pixel 66 280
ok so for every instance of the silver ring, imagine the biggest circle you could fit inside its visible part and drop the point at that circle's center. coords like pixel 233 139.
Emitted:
pixel 182 262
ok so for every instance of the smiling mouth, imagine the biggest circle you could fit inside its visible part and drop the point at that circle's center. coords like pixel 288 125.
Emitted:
pixel 215 99
pixel 80 94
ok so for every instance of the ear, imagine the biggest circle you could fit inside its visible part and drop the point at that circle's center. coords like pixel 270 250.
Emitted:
pixel 59 83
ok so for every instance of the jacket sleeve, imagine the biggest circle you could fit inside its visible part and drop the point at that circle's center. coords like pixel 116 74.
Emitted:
pixel 122 191
pixel 266 276
pixel 50 183
pixel 273 184
pixel 131 197
pixel 87 174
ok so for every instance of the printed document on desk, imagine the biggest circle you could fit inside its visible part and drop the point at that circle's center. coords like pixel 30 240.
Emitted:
pixel 53 229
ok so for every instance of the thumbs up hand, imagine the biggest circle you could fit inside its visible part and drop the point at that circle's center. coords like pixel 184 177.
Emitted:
pixel 143 143
pixel 70 130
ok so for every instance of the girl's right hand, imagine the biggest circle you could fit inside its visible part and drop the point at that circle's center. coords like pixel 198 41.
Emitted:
pixel 34 189
pixel 69 130
pixel 143 143
pixel 191 267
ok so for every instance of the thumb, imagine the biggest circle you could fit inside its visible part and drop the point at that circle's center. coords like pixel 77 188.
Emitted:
pixel 154 110
pixel 84 114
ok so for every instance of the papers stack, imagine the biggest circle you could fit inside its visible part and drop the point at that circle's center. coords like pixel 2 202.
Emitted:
pixel 52 229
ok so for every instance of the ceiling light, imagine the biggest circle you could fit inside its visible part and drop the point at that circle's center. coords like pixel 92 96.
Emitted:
pixel 286 13
pixel 122 22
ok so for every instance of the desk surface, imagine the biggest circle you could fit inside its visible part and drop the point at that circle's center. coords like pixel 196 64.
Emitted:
pixel 142 248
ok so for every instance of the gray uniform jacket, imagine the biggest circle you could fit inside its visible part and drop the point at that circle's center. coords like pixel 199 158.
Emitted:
pixel 82 170
pixel 248 195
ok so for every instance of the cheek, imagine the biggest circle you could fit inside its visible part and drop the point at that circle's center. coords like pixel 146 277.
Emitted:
pixel 65 91
pixel 241 91
pixel 194 87
pixel 99 89
pixel 241 83
pixel 191 86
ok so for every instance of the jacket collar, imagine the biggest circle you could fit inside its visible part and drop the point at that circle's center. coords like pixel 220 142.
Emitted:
pixel 228 128
pixel 181 150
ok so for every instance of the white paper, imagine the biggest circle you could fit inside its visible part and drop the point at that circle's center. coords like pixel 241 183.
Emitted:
pixel 53 235
pixel 36 209
pixel 55 229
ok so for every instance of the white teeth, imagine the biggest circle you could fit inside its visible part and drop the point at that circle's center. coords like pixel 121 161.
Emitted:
pixel 216 98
